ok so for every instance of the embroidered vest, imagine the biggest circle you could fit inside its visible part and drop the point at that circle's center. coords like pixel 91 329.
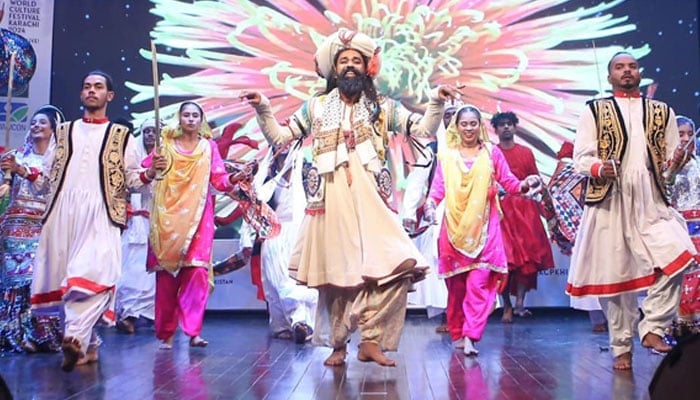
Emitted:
pixel 378 135
pixel 612 142
pixel 112 169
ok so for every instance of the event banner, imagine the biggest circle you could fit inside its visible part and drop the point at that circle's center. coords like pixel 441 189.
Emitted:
pixel 27 34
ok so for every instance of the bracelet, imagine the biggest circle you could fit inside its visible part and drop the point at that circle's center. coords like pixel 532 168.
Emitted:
pixel 145 178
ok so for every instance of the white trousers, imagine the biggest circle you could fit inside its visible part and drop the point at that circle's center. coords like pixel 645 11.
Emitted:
pixel 659 308
pixel 82 316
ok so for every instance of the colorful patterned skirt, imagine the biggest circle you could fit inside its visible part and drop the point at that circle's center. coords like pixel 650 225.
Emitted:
pixel 19 329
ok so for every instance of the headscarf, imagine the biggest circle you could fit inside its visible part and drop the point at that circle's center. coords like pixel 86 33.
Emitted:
pixel 454 139
pixel 178 203
pixel 468 191
pixel 55 116
pixel 346 39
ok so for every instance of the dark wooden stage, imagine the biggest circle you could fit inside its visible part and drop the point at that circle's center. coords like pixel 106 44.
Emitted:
pixel 553 355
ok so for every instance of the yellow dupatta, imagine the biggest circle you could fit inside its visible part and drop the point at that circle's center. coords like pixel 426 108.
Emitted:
pixel 178 202
pixel 466 196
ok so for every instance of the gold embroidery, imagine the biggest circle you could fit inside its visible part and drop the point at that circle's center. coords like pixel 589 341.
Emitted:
pixel 656 121
pixel 114 180
pixel 113 170
pixel 612 142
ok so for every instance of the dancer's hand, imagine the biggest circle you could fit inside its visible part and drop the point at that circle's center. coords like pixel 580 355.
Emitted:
pixel 409 225
pixel 8 163
pixel 159 163
pixel 610 169
pixel 450 92
pixel 251 97
pixel 680 157
pixel 429 212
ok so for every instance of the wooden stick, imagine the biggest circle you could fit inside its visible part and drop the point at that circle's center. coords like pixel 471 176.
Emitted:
pixel 156 96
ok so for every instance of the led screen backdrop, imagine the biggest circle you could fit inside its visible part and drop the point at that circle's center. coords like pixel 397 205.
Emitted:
pixel 541 59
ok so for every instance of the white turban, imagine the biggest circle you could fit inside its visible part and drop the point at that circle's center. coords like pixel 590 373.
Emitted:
pixel 346 39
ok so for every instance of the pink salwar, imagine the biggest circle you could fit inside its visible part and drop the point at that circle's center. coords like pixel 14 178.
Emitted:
pixel 190 289
pixel 470 293
pixel 184 295
pixel 472 283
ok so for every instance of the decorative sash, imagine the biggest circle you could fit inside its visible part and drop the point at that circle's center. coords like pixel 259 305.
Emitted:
pixel 467 200
pixel 178 203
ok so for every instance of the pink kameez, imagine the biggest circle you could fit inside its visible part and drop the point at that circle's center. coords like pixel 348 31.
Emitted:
pixel 185 292
pixel 468 310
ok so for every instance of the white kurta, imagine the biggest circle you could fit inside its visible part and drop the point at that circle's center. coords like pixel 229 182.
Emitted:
pixel 431 292
pixel 79 250
pixel 136 290
pixel 626 238
pixel 288 302
pixel 356 239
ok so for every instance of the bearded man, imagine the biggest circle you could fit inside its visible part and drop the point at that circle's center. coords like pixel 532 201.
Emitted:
pixel 351 247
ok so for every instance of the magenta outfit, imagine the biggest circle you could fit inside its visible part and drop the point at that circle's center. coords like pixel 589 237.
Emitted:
pixel 472 283
pixel 185 294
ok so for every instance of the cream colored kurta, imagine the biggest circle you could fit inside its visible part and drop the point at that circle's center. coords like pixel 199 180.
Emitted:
pixel 358 238
pixel 631 234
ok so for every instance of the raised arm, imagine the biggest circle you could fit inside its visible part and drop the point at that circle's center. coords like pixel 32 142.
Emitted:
pixel 275 133
pixel 219 177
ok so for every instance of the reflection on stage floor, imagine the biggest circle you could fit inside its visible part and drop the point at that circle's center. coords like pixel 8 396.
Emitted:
pixel 551 355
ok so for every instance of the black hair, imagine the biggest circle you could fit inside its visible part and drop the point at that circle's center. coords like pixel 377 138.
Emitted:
pixel 618 54
pixel 465 110
pixel 108 78
pixel 504 116
pixel 54 115
pixel 188 102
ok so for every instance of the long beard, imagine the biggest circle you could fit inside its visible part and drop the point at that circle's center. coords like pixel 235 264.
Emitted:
pixel 351 86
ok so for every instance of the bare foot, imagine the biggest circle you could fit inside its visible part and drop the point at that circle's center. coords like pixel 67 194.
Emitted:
pixel 469 349
pixel 522 312
pixel 302 332
pixel 370 351
pixel 337 357
pixel 90 357
pixel 167 344
pixel 29 347
pixel 197 341
pixel 126 325
pixel 655 342
pixel 442 328
pixel 600 328
pixel 507 315
pixel 623 362
pixel 71 353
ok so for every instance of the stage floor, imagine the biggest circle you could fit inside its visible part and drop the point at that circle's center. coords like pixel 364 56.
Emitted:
pixel 552 355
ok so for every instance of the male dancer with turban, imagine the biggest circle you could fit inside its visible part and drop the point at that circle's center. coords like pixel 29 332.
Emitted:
pixel 350 246
pixel 630 239
pixel 136 290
